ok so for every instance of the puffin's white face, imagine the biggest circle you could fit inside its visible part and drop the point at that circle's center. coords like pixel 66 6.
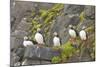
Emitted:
pixel 38 30
pixel 83 27
pixel 25 38
pixel 70 26
pixel 55 33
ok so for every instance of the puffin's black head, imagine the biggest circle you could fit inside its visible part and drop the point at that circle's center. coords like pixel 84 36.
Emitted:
pixel 25 38
pixel 71 27
pixel 83 28
pixel 55 34
pixel 39 30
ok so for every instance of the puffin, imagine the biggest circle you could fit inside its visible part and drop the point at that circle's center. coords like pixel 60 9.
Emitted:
pixel 27 42
pixel 83 34
pixel 73 34
pixel 56 39
pixel 39 38
pixel 83 37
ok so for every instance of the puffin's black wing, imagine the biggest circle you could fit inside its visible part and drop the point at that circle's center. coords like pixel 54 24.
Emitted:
pixel 77 34
pixel 86 35
pixel 34 42
pixel 43 36
pixel 60 41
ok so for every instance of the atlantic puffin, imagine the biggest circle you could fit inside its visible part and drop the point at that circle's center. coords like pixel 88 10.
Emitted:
pixel 83 37
pixel 73 34
pixel 83 34
pixel 26 42
pixel 56 39
pixel 39 37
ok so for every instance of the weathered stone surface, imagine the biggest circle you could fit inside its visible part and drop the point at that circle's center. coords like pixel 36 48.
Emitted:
pixel 19 11
pixel 74 20
pixel 16 42
pixel 14 58
pixel 46 53
pixel 43 53
pixel 12 42
pixel 89 12
pixel 33 55
pixel 45 62
pixel 31 52
pixel 24 25
pixel 20 52
pixel 70 9
pixel 19 33
pixel 32 62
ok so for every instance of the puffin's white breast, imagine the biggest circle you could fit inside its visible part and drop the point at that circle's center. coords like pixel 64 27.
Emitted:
pixel 72 33
pixel 39 38
pixel 82 35
pixel 26 43
pixel 56 41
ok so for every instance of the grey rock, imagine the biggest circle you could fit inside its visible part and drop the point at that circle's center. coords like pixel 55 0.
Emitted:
pixel 14 59
pixel 16 42
pixel 17 64
pixel 20 52
pixel 70 9
pixel 74 20
pixel 19 11
pixel 46 53
pixel 24 25
pixel 12 42
pixel 19 33
pixel 44 62
pixel 89 12
pixel 43 53
pixel 46 5
pixel 31 62
pixel 31 52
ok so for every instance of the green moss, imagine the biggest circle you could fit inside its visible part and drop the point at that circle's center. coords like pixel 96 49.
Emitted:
pixel 82 17
pixel 33 13
pixel 90 29
pixel 57 7
pixel 49 18
pixel 93 53
pixel 44 13
pixel 66 52
pixel 67 49
pixel 56 59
